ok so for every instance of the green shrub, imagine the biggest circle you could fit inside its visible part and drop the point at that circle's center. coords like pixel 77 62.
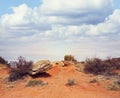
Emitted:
pixel 19 68
pixel 69 58
pixel 36 83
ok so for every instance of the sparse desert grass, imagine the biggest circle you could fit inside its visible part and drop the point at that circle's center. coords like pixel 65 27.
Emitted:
pixel 35 83
pixel 79 66
pixel 70 82
pixel 114 86
pixel 19 69
pixel 10 86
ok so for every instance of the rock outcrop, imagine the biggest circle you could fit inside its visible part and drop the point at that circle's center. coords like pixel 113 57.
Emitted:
pixel 40 67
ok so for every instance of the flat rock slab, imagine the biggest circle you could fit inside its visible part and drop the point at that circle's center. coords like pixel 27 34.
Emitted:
pixel 40 67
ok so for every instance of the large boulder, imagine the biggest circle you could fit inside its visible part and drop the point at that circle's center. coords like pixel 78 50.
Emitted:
pixel 40 67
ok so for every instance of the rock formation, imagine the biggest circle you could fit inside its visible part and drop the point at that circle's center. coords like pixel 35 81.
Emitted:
pixel 40 67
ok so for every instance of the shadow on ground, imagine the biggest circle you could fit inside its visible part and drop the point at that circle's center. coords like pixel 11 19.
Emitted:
pixel 45 75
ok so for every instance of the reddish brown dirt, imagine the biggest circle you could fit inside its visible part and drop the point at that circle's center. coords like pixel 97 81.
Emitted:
pixel 57 78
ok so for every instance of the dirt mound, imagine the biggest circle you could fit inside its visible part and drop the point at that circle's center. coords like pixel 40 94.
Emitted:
pixel 57 77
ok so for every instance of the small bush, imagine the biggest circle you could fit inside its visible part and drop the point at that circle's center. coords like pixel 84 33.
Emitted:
pixel 114 87
pixel 70 82
pixel 19 68
pixel 2 60
pixel 69 58
pixel 36 83
pixel 97 66
pixel 15 74
pixel 114 63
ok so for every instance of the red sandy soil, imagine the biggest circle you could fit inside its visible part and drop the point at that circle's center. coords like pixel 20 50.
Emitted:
pixel 57 78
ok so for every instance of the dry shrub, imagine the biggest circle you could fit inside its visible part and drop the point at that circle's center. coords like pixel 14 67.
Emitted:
pixel 114 63
pixel 115 86
pixel 2 60
pixel 70 82
pixel 69 58
pixel 19 68
pixel 36 83
pixel 97 66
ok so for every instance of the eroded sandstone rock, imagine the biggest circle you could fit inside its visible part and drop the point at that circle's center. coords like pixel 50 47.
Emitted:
pixel 40 67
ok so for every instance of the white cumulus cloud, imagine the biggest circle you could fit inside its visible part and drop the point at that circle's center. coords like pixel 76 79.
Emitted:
pixel 80 27
pixel 83 11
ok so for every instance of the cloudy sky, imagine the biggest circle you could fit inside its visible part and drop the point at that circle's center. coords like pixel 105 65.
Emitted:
pixel 49 29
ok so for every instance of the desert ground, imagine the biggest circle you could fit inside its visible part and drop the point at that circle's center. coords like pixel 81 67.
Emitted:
pixel 56 80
